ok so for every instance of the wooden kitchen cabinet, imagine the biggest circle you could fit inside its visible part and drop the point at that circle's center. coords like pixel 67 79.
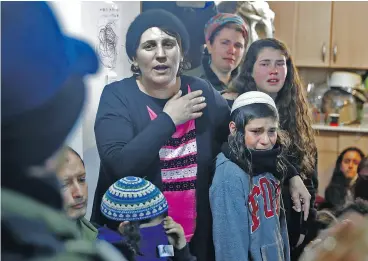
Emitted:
pixel 327 147
pixel 359 140
pixel 312 35
pixel 324 34
pixel 285 19
pixel 349 41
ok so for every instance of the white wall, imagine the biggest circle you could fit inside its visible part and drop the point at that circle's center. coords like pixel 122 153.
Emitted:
pixel 81 18
pixel 68 14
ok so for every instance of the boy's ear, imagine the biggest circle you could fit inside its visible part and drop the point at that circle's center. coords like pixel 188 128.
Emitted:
pixel 122 226
pixel 232 128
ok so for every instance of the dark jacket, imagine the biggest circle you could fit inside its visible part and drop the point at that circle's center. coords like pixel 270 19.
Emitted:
pixel 209 75
pixel 295 220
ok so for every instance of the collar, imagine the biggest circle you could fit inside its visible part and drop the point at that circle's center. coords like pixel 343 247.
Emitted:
pixel 211 76
pixel 262 160
pixel 87 230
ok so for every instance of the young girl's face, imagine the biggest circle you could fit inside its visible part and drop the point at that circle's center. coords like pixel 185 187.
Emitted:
pixel 261 134
pixel 350 163
pixel 269 70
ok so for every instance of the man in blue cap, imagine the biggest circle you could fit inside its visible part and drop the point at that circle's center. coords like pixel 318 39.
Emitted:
pixel 43 92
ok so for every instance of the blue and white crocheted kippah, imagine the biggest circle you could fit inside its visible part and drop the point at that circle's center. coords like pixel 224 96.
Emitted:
pixel 133 199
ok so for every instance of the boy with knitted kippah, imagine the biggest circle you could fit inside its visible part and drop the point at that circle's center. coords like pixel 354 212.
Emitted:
pixel 137 211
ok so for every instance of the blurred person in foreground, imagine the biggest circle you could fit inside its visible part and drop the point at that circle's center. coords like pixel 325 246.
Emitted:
pixel 343 235
pixel 43 92
pixel 329 217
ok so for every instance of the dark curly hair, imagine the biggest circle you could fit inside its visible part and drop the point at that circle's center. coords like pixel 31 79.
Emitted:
pixel 291 103
pixel 241 118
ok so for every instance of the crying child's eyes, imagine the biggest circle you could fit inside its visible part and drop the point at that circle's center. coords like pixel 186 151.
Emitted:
pixel 261 131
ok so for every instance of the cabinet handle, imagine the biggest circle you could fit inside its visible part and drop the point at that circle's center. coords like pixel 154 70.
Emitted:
pixel 323 52
pixel 334 53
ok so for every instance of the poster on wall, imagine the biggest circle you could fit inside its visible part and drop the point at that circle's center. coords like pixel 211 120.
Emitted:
pixel 105 24
pixel 107 39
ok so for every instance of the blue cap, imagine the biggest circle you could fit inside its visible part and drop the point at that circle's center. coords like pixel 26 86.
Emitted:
pixel 36 58
pixel 133 199
pixel 42 83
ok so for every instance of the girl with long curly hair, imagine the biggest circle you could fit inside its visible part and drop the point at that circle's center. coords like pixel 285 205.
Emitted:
pixel 269 67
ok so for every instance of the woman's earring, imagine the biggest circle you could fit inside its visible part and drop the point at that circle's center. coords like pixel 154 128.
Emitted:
pixel 135 69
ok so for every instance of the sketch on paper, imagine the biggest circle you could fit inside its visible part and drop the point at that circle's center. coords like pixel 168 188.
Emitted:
pixel 107 39
pixel 107 42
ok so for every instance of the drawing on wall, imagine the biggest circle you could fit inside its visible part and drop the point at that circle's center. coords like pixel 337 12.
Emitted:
pixel 107 39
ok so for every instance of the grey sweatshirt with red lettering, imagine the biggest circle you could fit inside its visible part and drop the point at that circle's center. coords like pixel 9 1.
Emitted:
pixel 248 222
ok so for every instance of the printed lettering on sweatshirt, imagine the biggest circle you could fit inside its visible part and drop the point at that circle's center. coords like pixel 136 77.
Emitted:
pixel 266 191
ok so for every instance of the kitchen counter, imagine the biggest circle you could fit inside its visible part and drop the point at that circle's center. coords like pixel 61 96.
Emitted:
pixel 347 128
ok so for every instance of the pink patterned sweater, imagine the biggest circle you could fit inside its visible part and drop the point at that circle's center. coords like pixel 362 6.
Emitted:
pixel 178 160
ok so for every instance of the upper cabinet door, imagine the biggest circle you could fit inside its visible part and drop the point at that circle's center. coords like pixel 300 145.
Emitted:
pixel 285 22
pixel 312 35
pixel 349 41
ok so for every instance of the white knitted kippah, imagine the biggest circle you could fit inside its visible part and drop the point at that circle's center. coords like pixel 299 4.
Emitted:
pixel 251 98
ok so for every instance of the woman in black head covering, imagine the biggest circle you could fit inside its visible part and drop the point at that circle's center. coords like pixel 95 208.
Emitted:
pixel 162 126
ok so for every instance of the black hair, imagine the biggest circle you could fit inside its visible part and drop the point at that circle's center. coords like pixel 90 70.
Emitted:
pixel 125 249
pixel 337 189
pixel 75 153
pixel 361 188
pixel 131 232
pixel 338 176
pixel 361 184
pixel 241 118
pixel 363 164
